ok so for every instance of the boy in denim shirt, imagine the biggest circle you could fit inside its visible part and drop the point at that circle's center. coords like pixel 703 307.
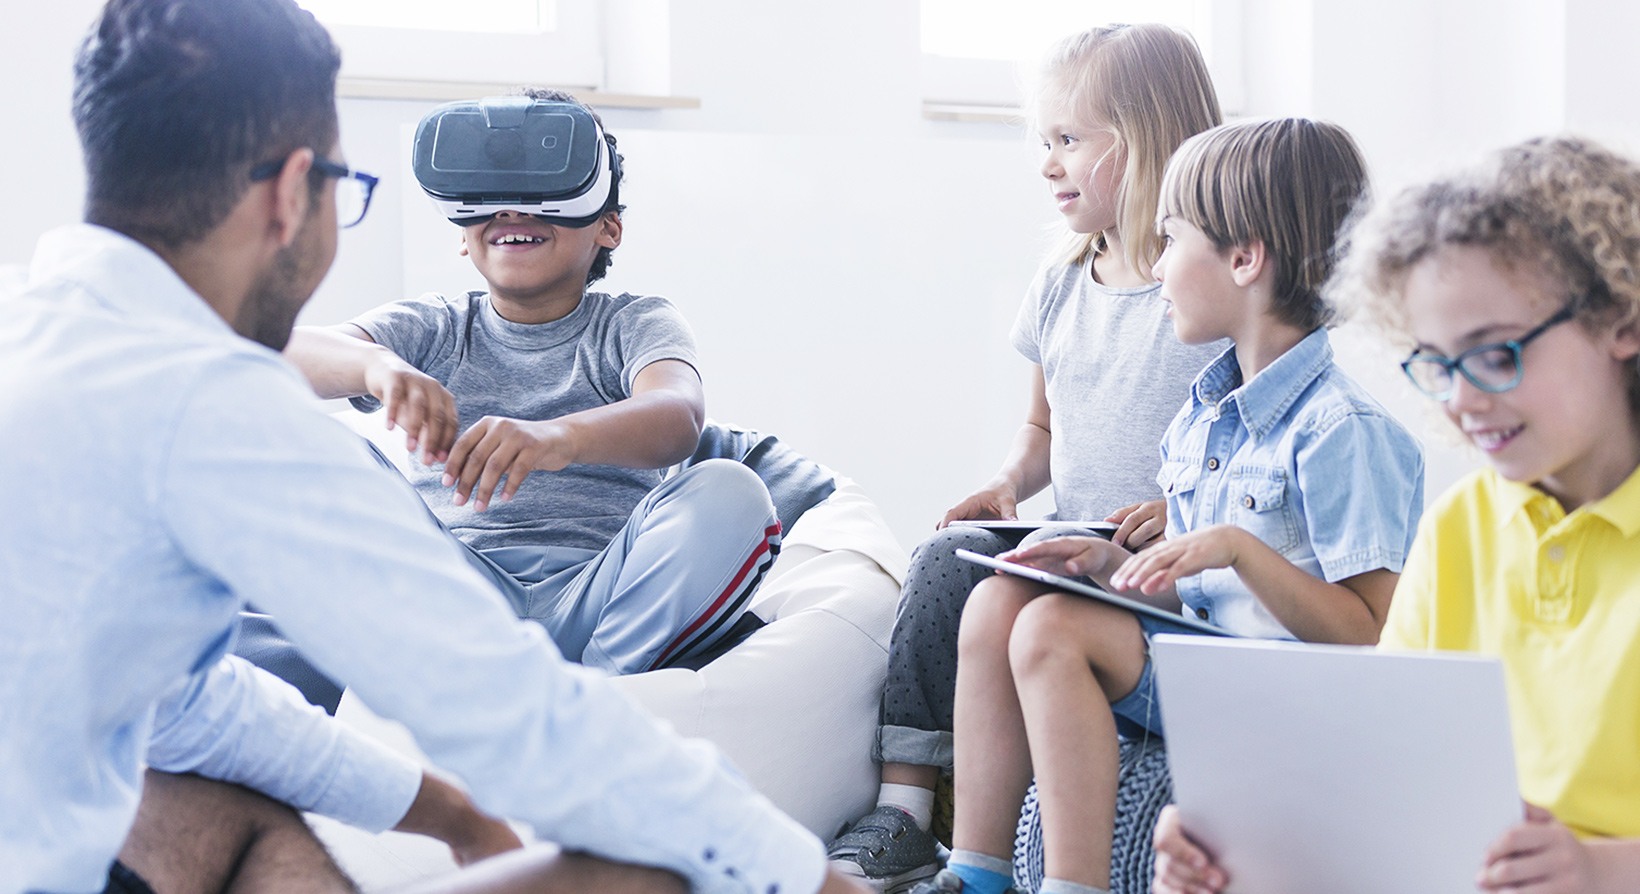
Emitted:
pixel 1292 499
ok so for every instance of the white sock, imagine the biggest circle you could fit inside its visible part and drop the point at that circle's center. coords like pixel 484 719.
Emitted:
pixel 1060 886
pixel 913 799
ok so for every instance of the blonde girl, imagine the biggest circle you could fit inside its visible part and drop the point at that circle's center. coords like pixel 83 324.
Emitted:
pixel 1107 374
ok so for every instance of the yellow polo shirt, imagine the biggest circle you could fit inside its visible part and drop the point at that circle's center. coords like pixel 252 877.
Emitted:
pixel 1499 568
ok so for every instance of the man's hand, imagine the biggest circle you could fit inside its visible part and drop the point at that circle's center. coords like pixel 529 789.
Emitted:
pixel 1139 525
pixel 496 446
pixel 415 402
pixel 1161 566
pixel 1073 556
pixel 445 812
pixel 1181 866
pixel 994 501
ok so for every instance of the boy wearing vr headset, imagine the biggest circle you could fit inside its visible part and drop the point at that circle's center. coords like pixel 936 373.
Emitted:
pixel 555 410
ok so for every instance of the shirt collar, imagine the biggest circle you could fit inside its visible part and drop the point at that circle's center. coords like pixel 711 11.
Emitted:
pixel 124 275
pixel 1264 401
pixel 1621 507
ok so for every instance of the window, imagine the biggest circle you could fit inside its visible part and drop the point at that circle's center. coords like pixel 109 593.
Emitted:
pixel 973 50
pixel 551 42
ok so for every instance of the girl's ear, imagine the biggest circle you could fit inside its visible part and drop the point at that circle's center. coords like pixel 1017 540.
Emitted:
pixel 463 249
pixel 1247 263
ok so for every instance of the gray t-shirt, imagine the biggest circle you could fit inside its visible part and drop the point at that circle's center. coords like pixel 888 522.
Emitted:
pixel 534 371
pixel 1116 376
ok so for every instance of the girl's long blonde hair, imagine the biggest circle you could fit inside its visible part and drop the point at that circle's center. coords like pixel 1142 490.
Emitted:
pixel 1148 85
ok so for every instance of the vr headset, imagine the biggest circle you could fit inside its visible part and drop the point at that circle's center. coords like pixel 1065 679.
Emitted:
pixel 514 153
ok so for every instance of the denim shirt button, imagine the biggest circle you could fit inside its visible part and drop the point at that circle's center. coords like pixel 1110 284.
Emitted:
pixel 708 855
pixel 1213 464
pixel 1201 613
pixel 1247 501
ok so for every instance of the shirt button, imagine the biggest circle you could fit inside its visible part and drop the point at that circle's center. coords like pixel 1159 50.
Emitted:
pixel 1201 613
pixel 1247 501
pixel 1213 464
pixel 1557 552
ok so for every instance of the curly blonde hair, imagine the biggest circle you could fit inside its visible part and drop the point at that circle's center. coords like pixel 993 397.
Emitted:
pixel 1563 207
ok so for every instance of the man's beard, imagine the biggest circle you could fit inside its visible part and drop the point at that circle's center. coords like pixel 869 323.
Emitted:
pixel 270 307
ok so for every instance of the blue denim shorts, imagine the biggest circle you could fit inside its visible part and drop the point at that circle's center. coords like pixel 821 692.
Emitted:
pixel 1139 713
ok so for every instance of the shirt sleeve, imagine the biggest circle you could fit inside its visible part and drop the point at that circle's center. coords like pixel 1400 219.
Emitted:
pixel 420 330
pixel 1408 626
pixel 238 723
pixel 284 507
pixel 1026 336
pixel 644 331
pixel 1362 481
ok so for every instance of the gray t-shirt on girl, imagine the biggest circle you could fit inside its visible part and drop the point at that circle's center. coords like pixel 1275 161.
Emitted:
pixel 534 371
pixel 1116 376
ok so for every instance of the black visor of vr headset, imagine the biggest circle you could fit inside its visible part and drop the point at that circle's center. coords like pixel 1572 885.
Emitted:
pixel 475 159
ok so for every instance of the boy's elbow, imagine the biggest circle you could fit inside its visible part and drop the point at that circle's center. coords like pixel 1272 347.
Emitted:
pixel 688 420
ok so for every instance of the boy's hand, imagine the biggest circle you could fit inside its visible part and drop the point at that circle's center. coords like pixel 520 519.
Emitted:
pixel 496 446
pixel 1181 866
pixel 417 403
pixel 1161 566
pixel 1069 555
pixel 1541 856
pixel 1139 525
pixel 996 501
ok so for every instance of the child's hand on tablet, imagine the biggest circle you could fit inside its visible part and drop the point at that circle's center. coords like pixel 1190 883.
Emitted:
pixel 1158 568
pixel 1071 556
pixel 1540 854
pixel 1139 525
pixel 992 501
pixel 1181 866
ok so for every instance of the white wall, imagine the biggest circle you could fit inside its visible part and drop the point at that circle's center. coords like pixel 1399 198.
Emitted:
pixel 851 269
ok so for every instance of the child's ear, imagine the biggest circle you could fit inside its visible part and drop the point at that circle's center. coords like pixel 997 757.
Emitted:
pixel 1247 263
pixel 463 249
pixel 1626 341
pixel 609 230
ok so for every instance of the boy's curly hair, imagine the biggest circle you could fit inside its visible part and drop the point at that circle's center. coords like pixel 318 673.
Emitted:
pixel 1563 207
pixel 600 262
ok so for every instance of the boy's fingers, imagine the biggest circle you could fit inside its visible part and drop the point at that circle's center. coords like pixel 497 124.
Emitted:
pixel 461 450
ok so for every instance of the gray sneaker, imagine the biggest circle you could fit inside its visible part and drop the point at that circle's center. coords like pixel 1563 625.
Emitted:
pixel 887 851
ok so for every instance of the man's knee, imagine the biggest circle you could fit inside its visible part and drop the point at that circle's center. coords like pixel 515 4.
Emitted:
pixel 193 834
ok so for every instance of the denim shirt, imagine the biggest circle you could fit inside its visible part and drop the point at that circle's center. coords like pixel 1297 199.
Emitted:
pixel 1303 458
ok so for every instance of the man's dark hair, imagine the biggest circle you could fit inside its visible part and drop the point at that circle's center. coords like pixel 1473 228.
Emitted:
pixel 176 100
pixel 600 262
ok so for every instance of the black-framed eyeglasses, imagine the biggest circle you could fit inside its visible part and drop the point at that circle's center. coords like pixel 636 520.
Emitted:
pixel 1494 368
pixel 353 188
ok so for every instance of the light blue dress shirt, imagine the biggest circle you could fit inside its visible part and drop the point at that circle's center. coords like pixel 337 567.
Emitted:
pixel 1304 459
pixel 166 471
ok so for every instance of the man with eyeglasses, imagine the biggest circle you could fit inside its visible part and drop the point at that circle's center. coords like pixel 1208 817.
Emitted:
pixel 174 467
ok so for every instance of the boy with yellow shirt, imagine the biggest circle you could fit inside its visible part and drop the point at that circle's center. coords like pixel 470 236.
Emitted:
pixel 1517 288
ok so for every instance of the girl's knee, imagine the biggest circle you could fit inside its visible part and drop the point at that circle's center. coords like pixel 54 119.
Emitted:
pixel 988 615
pixel 1040 636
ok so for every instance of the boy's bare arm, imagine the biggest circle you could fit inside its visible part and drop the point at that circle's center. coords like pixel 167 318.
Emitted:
pixel 1023 472
pixel 658 426
pixel 343 361
pixel 1350 611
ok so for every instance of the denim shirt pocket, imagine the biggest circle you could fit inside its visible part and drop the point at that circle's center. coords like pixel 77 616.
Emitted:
pixel 1259 505
pixel 1178 483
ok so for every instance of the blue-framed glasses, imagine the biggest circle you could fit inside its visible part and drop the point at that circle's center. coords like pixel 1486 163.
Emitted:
pixel 1493 368
pixel 353 188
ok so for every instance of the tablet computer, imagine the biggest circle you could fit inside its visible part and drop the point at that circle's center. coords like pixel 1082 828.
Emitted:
pixel 1343 769
pixel 1013 525
pixel 1083 588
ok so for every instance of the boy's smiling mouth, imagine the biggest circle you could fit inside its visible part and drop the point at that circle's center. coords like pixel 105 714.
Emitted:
pixel 517 239
pixel 1492 440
